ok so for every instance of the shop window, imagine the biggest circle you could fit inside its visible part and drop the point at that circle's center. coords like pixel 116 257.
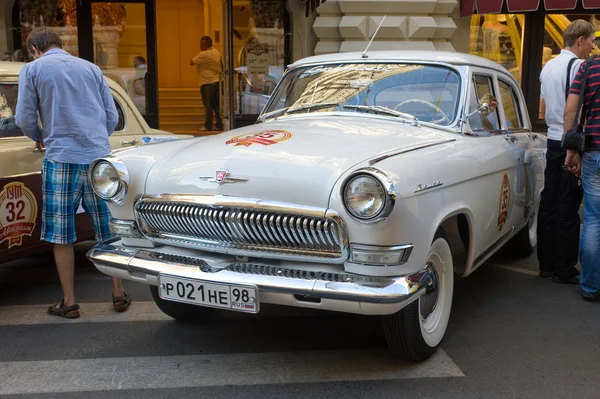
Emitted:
pixel 498 37
pixel 510 105
pixel 60 15
pixel 555 25
pixel 259 48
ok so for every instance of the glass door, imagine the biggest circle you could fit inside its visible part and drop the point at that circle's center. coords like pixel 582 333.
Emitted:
pixel 258 51
pixel 119 38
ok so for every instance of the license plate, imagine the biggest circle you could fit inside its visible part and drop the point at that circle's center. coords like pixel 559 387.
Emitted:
pixel 197 292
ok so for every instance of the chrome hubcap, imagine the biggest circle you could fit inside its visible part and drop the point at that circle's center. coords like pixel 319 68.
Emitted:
pixel 429 299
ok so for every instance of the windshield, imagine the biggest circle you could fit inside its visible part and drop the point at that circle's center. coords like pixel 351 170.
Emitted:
pixel 426 92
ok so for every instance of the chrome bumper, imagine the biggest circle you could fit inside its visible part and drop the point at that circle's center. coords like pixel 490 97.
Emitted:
pixel 140 264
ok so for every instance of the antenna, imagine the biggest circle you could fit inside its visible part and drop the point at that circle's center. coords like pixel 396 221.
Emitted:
pixel 364 54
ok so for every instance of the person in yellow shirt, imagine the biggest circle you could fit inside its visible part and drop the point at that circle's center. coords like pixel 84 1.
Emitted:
pixel 208 67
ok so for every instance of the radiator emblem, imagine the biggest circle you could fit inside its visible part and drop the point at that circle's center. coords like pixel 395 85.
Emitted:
pixel 222 177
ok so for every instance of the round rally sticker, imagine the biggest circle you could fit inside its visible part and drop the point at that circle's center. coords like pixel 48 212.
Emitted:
pixel 266 137
pixel 18 211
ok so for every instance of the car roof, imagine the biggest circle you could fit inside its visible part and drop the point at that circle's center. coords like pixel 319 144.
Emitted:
pixel 9 68
pixel 404 55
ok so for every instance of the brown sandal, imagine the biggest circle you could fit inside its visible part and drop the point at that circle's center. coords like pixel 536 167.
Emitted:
pixel 121 303
pixel 59 309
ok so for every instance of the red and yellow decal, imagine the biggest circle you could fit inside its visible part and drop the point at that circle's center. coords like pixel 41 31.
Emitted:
pixel 18 211
pixel 266 137
pixel 504 201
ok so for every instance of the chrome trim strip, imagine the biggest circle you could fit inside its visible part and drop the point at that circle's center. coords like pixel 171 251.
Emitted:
pixel 244 227
pixel 21 175
pixel 268 278
pixel 384 157
pixel 490 250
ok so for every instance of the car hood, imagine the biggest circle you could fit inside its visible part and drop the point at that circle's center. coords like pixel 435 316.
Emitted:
pixel 293 160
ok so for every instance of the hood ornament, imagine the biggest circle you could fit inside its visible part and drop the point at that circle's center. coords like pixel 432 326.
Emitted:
pixel 221 177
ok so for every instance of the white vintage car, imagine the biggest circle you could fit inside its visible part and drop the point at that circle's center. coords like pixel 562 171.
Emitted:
pixel 369 183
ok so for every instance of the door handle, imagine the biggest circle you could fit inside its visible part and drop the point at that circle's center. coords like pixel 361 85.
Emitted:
pixel 129 142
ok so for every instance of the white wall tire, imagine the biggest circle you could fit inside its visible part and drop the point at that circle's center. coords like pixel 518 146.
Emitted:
pixel 417 331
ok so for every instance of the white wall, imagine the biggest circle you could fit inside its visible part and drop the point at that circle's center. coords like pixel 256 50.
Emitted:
pixel 348 25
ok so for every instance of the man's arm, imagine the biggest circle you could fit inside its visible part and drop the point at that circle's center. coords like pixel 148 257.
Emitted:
pixel 199 59
pixel 27 108
pixel 573 160
pixel 570 111
pixel 112 117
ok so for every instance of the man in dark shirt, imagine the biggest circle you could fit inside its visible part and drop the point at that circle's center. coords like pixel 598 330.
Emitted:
pixel 588 166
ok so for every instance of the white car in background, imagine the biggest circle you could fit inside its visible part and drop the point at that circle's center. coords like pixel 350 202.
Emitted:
pixel 21 166
pixel 369 183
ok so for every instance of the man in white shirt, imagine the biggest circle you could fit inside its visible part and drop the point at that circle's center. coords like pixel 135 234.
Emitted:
pixel 208 67
pixel 558 218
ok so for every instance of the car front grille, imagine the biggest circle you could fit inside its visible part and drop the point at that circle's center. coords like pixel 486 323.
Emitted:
pixel 242 230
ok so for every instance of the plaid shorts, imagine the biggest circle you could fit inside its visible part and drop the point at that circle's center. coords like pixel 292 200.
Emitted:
pixel 64 186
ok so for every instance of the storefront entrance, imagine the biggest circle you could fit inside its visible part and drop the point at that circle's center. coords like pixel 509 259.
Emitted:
pixel 146 46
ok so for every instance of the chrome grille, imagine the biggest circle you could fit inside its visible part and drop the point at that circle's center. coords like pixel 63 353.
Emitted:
pixel 240 230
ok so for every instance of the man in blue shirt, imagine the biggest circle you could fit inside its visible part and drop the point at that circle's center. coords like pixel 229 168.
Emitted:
pixel 77 114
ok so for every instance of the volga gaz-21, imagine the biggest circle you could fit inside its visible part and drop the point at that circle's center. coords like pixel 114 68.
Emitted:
pixel 367 185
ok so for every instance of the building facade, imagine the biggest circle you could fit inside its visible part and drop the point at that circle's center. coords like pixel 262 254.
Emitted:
pixel 146 45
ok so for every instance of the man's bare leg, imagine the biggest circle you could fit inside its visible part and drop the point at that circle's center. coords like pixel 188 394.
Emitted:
pixel 117 287
pixel 64 257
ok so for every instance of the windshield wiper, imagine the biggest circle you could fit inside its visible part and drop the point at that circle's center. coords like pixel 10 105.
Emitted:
pixel 311 106
pixel 288 110
pixel 378 109
pixel 271 114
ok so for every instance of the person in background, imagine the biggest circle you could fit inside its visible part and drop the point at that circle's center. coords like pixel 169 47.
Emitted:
pixel 208 67
pixel 78 113
pixel 139 62
pixel 20 56
pixel 587 165
pixel 8 56
pixel 558 219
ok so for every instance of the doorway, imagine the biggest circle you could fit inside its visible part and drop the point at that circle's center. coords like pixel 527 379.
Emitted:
pixel 119 37
pixel 258 51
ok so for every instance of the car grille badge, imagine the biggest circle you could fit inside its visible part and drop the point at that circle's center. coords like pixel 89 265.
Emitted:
pixel 222 177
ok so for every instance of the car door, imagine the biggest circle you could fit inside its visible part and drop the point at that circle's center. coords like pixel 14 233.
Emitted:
pixel 529 150
pixel 127 125
pixel 498 201
pixel 20 178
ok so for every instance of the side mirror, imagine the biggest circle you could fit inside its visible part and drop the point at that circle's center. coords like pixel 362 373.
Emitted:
pixel 482 108
pixel 487 103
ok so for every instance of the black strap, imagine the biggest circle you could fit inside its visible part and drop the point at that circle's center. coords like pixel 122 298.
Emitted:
pixel 568 80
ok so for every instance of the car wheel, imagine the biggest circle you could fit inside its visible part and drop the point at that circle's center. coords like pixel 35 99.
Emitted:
pixel 181 311
pixel 524 242
pixel 415 332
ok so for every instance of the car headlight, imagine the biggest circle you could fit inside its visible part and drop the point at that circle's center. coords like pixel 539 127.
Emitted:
pixel 369 195
pixel 109 179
